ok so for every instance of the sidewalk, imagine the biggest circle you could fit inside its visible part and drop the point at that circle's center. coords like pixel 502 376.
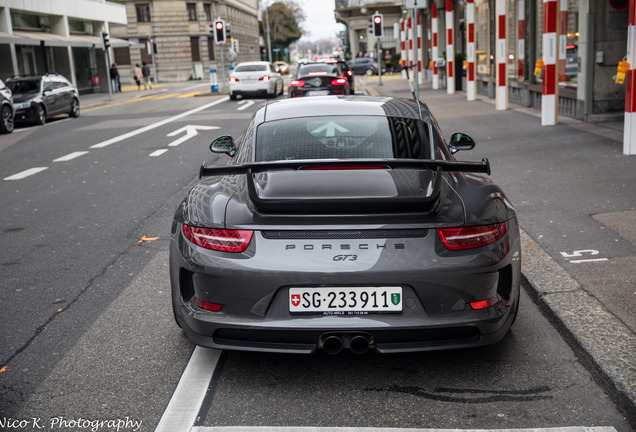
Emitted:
pixel 587 304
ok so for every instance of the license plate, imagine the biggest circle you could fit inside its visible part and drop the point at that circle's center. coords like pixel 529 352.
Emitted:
pixel 318 92
pixel 345 300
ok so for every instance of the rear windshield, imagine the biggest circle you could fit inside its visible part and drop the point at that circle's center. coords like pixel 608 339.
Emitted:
pixel 318 69
pixel 333 137
pixel 251 68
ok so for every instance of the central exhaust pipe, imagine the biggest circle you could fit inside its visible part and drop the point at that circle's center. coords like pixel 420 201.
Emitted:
pixel 359 344
pixel 332 344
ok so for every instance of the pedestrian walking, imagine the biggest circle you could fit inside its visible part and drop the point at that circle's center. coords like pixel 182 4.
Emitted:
pixel 145 70
pixel 138 76
pixel 114 76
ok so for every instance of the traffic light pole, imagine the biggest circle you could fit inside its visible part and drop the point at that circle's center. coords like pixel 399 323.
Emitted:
pixel 224 85
pixel 379 63
pixel 110 90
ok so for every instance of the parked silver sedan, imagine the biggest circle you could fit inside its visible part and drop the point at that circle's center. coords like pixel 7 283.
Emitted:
pixel 255 78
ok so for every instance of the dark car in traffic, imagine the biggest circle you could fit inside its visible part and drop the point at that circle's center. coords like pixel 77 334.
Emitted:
pixel 319 79
pixel 344 223
pixel 365 66
pixel 40 97
pixel 7 110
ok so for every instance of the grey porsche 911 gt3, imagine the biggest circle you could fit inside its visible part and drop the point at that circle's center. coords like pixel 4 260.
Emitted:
pixel 344 223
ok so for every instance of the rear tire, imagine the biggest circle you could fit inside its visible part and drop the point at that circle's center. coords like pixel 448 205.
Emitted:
pixel 232 96
pixel 75 109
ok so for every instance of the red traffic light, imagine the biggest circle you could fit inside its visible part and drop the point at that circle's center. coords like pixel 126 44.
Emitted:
pixel 377 25
pixel 219 32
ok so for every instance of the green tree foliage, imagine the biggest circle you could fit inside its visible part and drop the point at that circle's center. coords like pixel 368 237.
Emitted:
pixel 285 17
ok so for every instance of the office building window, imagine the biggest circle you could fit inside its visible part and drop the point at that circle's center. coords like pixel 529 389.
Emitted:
pixel 143 12
pixel 192 11
pixel 207 9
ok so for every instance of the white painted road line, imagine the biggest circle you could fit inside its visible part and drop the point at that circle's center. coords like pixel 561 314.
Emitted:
pixel 183 408
pixel 245 104
pixel 158 124
pixel 70 156
pixel 158 152
pixel 356 429
pixel 26 173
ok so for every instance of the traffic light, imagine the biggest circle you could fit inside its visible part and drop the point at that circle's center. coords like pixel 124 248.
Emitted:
pixel 228 31
pixel 377 25
pixel 219 32
pixel 105 41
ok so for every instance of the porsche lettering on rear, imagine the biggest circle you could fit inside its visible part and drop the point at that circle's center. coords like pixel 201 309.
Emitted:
pixel 344 223
pixel 346 246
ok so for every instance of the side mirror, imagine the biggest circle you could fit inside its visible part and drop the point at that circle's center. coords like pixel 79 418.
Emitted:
pixel 461 141
pixel 223 144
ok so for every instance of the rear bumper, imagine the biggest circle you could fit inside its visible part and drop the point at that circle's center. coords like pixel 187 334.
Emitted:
pixel 437 288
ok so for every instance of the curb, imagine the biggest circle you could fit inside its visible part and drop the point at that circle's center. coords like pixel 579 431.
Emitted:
pixel 604 344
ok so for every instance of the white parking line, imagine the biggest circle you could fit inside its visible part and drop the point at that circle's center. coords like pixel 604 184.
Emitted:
pixel 183 408
pixel 70 156
pixel 371 429
pixel 158 152
pixel 26 173
pixel 158 124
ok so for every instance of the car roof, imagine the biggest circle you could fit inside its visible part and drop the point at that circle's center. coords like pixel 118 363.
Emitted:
pixel 342 106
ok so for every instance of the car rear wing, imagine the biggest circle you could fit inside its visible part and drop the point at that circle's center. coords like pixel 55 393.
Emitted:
pixel 410 164
pixel 346 186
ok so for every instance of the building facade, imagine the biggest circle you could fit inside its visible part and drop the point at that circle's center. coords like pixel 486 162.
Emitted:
pixel 592 39
pixel 180 32
pixel 63 37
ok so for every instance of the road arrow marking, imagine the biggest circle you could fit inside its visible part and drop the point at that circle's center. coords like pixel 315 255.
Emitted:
pixel 190 130
pixel 245 104
pixel 330 129
pixel 158 124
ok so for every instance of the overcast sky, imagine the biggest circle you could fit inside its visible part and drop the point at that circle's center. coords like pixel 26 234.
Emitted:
pixel 319 20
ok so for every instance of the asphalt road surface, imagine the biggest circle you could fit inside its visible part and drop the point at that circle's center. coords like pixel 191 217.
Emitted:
pixel 87 333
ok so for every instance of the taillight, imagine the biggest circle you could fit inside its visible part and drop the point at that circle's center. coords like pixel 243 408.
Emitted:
pixel 297 83
pixel 212 307
pixel 264 78
pixel 483 304
pixel 317 73
pixel 339 81
pixel 218 239
pixel 471 237
pixel 234 79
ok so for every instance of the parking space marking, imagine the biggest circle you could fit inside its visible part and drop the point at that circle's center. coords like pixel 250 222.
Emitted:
pixel 26 173
pixel 372 429
pixel 70 156
pixel 184 406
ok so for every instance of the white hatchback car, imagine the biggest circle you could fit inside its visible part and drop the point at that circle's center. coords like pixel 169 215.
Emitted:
pixel 255 77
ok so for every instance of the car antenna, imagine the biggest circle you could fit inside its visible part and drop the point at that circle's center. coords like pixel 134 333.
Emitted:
pixel 409 80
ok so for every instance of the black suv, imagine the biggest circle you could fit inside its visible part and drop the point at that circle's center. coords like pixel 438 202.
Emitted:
pixel 7 111
pixel 38 97
pixel 343 68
